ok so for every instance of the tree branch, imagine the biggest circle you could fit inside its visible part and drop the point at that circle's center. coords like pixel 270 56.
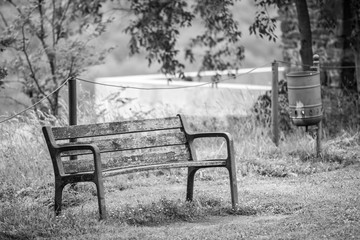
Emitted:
pixel 49 54
pixel 15 6
pixel 33 76
pixel 14 100
pixel 42 31
pixel 53 23
pixel 58 27
pixel 3 19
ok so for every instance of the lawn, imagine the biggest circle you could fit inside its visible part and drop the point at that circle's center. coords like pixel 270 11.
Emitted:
pixel 285 192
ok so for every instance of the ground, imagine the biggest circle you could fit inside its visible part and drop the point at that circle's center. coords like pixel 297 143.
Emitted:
pixel 318 206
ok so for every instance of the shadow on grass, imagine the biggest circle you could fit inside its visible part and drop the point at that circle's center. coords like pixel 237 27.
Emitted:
pixel 167 211
pixel 7 236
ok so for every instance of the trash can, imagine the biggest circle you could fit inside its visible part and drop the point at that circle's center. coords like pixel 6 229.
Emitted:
pixel 304 92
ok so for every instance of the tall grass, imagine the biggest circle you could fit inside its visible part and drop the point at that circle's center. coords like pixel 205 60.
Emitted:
pixel 26 177
pixel 24 158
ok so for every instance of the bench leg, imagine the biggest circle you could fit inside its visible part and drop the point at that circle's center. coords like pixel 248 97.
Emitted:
pixel 233 187
pixel 59 186
pixel 190 183
pixel 101 199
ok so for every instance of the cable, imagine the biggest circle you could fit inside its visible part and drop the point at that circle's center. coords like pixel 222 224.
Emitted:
pixel 17 114
pixel 168 88
pixel 321 66
pixel 141 88
pixel 111 85
pixel 337 67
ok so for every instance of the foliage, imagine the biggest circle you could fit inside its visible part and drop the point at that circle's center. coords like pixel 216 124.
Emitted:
pixel 349 22
pixel 50 43
pixel 264 24
pixel 4 43
pixel 262 108
pixel 341 110
pixel 158 24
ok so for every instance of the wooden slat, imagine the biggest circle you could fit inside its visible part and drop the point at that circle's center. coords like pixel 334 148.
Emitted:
pixel 101 129
pixel 209 163
pixel 135 141
pixel 131 158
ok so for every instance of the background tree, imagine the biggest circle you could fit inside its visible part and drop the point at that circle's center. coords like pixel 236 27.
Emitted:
pixel 332 14
pixel 157 25
pixel 265 25
pixel 53 38
pixel 355 37
pixel 50 41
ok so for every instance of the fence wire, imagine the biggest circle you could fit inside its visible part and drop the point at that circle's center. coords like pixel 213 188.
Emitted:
pixel 234 76
pixel 38 102
pixel 320 66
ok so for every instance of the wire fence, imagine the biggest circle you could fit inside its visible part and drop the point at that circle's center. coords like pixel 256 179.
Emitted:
pixel 38 102
pixel 232 77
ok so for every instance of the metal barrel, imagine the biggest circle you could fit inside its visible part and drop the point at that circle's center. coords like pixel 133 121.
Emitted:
pixel 304 92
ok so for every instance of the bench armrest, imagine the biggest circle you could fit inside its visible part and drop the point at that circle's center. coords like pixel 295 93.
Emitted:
pixel 191 136
pixel 225 135
pixel 229 143
pixel 92 147
pixel 73 146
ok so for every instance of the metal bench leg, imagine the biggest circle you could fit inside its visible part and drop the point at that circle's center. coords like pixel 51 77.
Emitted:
pixel 190 183
pixel 101 199
pixel 233 187
pixel 59 186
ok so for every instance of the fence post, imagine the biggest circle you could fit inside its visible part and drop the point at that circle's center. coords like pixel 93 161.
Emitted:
pixel 316 67
pixel 72 107
pixel 275 103
pixel 72 102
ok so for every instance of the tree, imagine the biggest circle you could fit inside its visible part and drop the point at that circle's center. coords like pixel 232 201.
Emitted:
pixel 157 25
pixel 265 25
pixel 52 38
pixel 50 43
pixel 306 52
pixel 355 37
pixel 330 18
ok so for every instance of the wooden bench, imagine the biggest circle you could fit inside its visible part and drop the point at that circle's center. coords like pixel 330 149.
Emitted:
pixel 108 149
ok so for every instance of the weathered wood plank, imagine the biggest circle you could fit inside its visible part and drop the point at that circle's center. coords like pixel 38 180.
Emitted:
pixel 135 141
pixel 208 163
pixel 131 158
pixel 112 128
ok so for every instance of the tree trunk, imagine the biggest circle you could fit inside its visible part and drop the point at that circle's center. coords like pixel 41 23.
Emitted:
pixel 306 52
pixel 357 68
pixel 356 42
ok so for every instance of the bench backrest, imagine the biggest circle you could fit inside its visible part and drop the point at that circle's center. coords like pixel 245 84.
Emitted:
pixel 122 144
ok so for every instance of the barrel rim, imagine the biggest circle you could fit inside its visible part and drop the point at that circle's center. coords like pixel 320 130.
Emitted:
pixel 306 106
pixel 314 117
pixel 302 74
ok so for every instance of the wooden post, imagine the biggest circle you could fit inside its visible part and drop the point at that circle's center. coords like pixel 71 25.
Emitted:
pixel 72 108
pixel 318 139
pixel 275 103
pixel 316 67
pixel 72 102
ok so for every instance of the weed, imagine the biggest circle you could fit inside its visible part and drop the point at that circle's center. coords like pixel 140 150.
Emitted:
pixel 27 188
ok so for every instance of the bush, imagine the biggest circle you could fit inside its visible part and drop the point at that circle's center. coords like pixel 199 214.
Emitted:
pixel 262 108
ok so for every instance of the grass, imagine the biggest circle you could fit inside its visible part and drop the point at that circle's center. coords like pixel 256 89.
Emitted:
pixel 286 192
